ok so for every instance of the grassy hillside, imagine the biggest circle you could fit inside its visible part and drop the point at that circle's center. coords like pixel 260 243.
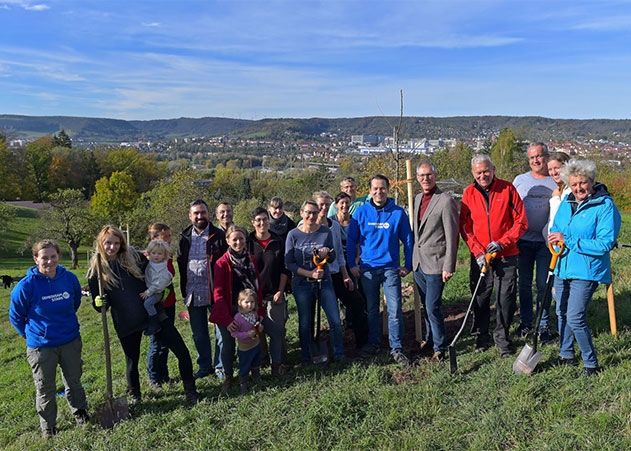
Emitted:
pixel 358 405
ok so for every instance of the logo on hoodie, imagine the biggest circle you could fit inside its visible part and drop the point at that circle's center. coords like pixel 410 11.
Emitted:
pixel 380 225
pixel 56 297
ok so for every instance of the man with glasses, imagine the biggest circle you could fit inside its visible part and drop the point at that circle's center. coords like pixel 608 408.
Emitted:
pixel 535 188
pixel 434 257
pixel 376 229
pixel 201 244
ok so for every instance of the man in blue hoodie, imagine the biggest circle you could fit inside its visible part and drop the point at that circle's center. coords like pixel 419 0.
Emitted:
pixel 376 228
pixel 43 311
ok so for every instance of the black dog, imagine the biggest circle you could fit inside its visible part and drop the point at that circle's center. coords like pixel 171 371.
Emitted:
pixel 7 281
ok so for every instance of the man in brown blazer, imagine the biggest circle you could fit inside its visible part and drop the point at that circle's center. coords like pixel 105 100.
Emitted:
pixel 434 257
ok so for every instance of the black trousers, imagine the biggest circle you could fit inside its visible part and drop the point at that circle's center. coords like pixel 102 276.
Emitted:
pixel 169 337
pixel 355 305
pixel 501 277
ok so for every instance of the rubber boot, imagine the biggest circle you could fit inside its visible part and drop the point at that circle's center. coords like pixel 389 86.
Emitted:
pixel 190 390
pixel 243 384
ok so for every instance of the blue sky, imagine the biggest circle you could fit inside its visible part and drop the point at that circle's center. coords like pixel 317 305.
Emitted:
pixel 302 58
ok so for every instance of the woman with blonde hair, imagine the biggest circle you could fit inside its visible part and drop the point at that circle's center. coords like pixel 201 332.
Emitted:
pixel 123 282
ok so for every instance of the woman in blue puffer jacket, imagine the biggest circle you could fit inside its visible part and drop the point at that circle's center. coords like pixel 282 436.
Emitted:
pixel 588 222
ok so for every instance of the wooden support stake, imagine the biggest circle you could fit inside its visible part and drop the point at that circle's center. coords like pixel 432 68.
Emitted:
pixel 612 310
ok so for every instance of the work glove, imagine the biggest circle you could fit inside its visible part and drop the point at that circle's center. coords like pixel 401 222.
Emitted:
pixel 494 247
pixel 102 302
pixel 480 260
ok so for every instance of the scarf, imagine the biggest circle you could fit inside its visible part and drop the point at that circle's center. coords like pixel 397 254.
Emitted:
pixel 243 269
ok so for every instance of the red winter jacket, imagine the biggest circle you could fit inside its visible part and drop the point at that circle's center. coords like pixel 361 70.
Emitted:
pixel 222 311
pixel 499 217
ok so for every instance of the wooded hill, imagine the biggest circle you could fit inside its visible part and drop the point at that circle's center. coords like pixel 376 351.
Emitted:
pixel 459 127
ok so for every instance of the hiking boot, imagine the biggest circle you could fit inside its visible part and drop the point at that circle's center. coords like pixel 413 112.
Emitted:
pixel 81 417
pixel 190 391
pixel 588 372
pixel 135 396
pixel 226 385
pixel 507 352
pixel 566 361
pixel 547 336
pixel 482 343
pixel 400 358
pixel 49 432
pixel 201 373
pixel 523 331
pixel 437 357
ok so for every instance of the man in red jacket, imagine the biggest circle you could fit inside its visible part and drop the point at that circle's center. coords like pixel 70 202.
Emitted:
pixel 492 218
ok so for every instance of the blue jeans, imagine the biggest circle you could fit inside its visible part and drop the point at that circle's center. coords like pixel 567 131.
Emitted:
pixel 305 293
pixel 249 359
pixel 370 282
pixel 198 317
pixel 531 254
pixel 430 289
pixel 572 296
pixel 217 363
pixel 228 346
pixel 158 353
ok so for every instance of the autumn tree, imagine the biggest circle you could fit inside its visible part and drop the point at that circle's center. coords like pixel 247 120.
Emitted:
pixel 115 197
pixel 69 220
pixel 454 163
pixel 10 186
pixel 143 169
pixel 505 153
pixel 38 159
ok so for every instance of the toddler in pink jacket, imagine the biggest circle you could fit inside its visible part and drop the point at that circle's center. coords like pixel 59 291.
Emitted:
pixel 248 329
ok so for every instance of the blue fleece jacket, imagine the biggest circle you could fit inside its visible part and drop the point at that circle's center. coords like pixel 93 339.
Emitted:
pixel 590 230
pixel 43 309
pixel 377 231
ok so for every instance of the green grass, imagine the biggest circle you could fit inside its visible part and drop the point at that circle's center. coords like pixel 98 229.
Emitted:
pixel 361 405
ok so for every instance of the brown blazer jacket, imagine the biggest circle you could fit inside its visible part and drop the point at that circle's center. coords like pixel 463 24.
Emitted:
pixel 436 237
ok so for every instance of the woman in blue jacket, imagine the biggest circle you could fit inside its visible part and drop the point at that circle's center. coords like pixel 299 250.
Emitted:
pixel 43 311
pixel 588 222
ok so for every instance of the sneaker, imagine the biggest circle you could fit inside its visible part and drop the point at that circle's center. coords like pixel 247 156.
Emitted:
pixel 481 345
pixel 567 361
pixel 426 347
pixel 221 375
pixel 156 387
pixel 547 336
pixel 368 351
pixel 81 417
pixel 400 358
pixel 588 372
pixel 437 357
pixel 507 352
pixel 49 432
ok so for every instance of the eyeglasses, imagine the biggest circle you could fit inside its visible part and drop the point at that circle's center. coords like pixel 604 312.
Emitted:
pixel 425 176
pixel 311 212
pixel 260 219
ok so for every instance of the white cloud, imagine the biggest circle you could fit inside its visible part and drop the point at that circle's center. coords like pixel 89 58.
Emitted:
pixel 613 23
pixel 151 24
pixel 24 4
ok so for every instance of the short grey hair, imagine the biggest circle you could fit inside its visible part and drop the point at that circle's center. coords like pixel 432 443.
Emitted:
pixel 544 148
pixel 322 195
pixel 427 163
pixel 479 158
pixel 578 168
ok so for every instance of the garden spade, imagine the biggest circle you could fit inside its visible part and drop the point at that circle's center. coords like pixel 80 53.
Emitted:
pixel 114 410
pixel 320 354
pixel 529 357
pixel 453 362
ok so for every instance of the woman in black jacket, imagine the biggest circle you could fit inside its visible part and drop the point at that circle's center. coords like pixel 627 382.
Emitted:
pixel 123 281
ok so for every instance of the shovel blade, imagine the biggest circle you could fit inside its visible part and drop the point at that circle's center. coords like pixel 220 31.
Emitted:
pixel 526 361
pixel 112 412
pixel 453 362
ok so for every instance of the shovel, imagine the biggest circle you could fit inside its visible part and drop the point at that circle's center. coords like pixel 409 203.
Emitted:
pixel 320 355
pixel 529 357
pixel 114 410
pixel 453 362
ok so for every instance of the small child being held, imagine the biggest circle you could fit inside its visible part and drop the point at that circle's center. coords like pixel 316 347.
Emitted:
pixel 157 278
pixel 248 328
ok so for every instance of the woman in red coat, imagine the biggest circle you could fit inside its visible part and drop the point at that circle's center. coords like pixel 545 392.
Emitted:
pixel 233 272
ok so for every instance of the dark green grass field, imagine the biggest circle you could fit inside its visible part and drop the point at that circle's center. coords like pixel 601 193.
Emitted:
pixel 361 405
